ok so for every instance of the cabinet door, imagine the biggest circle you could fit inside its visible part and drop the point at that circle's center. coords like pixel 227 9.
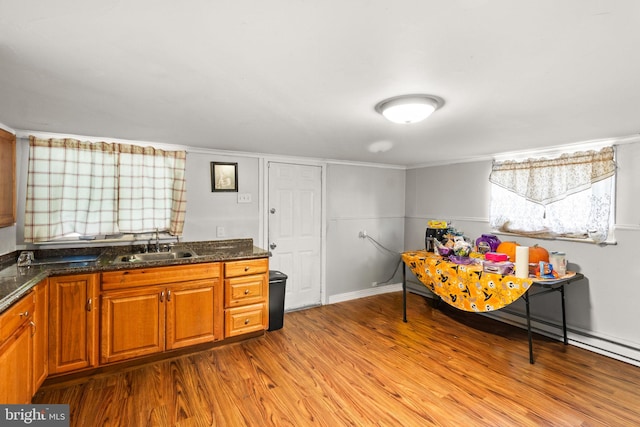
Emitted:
pixel 40 335
pixel 72 323
pixel 7 178
pixel 133 323
pixel 16 362
pixel 194 313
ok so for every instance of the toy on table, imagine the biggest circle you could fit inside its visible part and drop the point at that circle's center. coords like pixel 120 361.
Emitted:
pixel 544 270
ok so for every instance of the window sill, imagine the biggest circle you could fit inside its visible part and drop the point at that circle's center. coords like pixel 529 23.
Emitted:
pixel 108 240
pixel 607 242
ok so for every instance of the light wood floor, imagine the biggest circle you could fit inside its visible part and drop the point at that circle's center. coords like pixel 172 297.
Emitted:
pixel 357 364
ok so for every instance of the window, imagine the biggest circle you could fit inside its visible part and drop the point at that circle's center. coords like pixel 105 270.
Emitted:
pixel 79 188
pixel 571 196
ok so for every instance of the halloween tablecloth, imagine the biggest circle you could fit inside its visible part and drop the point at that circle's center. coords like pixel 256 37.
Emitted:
pixel 466 287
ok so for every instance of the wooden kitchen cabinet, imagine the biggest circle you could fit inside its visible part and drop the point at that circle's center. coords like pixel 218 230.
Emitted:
pixel 73 322
pixel 194 313
pixel 41 334
pixel 132 324
pixel 16 352
pixel 246 296
pixel 139 319
pixel 7 178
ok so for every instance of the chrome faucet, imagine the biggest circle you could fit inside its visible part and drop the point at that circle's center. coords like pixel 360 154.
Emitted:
pixel 157 245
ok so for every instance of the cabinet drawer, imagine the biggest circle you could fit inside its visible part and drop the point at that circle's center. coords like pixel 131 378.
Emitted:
pixel 245 319
pixel 245 290
pixel 16 315
pixel 246 267
pixel 158 275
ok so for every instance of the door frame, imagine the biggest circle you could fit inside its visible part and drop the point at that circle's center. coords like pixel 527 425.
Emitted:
pixel 264 208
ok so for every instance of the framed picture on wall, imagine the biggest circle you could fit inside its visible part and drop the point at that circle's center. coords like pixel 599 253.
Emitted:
pixel 224 176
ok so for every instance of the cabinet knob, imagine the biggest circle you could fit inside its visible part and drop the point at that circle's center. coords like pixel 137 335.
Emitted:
pixel 25 314
pixel 246 268
pixel 246 291
pixel 246 321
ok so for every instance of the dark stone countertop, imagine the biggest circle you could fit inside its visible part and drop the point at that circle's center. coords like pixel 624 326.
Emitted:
pixel 15 282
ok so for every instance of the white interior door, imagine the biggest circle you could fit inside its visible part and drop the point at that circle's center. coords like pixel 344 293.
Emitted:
pixel 294 204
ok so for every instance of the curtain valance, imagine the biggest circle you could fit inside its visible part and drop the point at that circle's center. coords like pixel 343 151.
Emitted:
pixel 544 181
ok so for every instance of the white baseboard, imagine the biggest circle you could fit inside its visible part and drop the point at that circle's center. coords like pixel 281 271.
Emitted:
pixel 394 287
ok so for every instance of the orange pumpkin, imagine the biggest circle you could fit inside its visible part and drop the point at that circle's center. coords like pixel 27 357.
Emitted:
pixel 508 248
pixel 537 254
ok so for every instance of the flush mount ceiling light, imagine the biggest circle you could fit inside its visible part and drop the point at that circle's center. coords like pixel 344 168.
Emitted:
pixel 409 108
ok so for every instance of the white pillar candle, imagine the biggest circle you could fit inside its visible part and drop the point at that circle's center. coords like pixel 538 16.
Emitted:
pixel 522 261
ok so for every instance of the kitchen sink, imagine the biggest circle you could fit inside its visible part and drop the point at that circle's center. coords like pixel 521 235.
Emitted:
pixel 155 256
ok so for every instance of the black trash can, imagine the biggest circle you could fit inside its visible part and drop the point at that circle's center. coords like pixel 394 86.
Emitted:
pixel 277 286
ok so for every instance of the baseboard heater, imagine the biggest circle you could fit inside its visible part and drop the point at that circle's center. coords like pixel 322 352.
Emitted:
pixel 625 352
pixel 606 346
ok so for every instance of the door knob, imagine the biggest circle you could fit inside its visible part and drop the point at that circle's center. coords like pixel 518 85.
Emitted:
pixel 272 210
pixel 273 246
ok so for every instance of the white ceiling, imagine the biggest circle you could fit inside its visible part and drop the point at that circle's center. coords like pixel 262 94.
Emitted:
pixel 302 77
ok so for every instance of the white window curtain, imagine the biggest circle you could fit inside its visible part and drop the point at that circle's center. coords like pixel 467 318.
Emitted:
pixel 151 190
pixel 71 188
pixel 90 189
pixel 570 196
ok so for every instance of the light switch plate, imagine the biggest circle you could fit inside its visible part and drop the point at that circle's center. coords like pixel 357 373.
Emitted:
pixel 220 231
pixel 244 197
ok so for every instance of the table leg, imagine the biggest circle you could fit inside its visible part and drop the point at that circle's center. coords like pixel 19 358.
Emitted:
pixel 404 292
pixel 435 302
pixel 564 317
pixel 526 299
